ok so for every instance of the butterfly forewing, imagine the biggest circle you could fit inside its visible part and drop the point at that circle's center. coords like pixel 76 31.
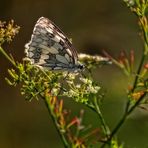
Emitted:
pixel 50 48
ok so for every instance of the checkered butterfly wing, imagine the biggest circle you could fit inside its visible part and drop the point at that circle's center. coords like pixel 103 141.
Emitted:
pixel 50 48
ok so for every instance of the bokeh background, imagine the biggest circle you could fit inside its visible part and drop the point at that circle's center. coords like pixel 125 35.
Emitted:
pixel 93 25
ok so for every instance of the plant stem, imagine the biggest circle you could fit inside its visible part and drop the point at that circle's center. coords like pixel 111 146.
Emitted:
pixel 61 134
pixel 144 26
pixel 103 123
pixel 126 114
pixel 124 117
pixel 138 71
pixel 128 109
pixel 7 56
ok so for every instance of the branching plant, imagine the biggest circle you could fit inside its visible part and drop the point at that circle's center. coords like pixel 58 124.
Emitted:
pixel 52 87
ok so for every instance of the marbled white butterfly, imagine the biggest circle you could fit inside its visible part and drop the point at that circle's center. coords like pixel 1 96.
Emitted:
pixel 50 48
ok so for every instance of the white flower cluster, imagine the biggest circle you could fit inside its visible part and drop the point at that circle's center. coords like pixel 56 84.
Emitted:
pixel 70 77
pixel 89 86
pixel 130 2
pixel 72 93
pixel 82 91
pixel 55 91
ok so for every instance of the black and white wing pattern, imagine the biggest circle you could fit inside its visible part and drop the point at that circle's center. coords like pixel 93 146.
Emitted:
pixel 50 48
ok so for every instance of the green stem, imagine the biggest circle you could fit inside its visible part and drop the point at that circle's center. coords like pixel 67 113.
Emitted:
pixel 124 117
pixel 103 123
pixel 144 25
pixel 128 109
pixel 7 56
pixel 138 71
pixel 127 114
pixel 61 134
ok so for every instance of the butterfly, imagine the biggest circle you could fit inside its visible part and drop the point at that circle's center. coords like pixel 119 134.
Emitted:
pixel 50 48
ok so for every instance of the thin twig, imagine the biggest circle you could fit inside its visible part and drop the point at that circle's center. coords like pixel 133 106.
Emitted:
pixel 124 117
pixel 103 123
pixel 7 57
pixel 128 109
pixel 61 134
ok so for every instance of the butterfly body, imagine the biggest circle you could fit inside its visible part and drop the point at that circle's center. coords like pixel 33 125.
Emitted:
pixel 50 48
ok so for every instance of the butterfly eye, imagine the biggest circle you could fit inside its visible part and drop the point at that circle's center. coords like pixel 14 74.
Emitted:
pixel 81 66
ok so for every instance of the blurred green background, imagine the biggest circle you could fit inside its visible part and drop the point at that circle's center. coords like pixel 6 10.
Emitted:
pixel 93 25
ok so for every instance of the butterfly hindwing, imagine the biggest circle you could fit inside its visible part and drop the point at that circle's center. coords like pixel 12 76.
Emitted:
pixel 50 48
